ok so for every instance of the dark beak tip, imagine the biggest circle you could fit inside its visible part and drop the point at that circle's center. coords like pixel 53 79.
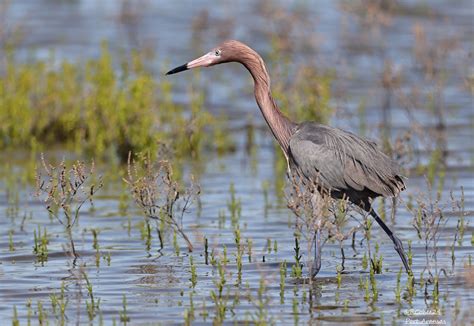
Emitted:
pixel 177 69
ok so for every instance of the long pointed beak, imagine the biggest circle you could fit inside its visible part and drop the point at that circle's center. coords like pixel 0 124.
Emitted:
pixel 204 61
pixel 178 69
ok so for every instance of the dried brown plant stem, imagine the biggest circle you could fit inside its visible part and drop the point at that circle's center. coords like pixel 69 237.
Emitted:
pixel 318 212
pixel 66 190
pixel 158 195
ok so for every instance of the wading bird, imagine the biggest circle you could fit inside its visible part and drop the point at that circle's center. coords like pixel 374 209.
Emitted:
pixel 338 162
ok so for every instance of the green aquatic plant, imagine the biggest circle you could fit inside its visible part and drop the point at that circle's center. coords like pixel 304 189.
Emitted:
pixel 92 306
pixel 237 239
pixel 249 249
pixel 459 208
pixel 123 200
pixel 377 261
pixel 266 200
pixel 238 261
pixel 234 205
pixel 435 293
pixel 297 268
pixel 95 241
pixel 261 317
pixel 238 254
pixel 269 245
pixel 410 287
pixel 366 290
pixel 364 261
pixel 42 314
pixel 224 255
pixel 15 321
pixel 398 290
pixel 189 313
pixel 282 281
pixel 12 192
pixel 221 218
pixel 145 233
pixel 175 244
pixel 29 310
pixel 296 317
pixel 373 282
pixel 124 318
pixel 361 283
pixel 11 245
pixel 280 168
pixel 40 247
pixel 339 270
pixel 108 258
pixel 219 298
pixel 213 259
pixel 192 266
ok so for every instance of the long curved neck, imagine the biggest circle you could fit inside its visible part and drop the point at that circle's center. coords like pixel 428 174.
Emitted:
pixel 281 127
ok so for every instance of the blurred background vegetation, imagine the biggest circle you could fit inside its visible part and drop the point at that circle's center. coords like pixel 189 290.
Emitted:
pixel 115 101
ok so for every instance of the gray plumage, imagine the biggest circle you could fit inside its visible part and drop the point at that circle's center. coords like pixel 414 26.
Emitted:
pixel 343 164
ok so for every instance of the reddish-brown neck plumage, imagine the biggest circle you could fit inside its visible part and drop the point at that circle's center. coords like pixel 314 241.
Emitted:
pixel 281 127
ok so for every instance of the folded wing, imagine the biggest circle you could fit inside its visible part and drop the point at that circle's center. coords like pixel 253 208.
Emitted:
pixel 340 161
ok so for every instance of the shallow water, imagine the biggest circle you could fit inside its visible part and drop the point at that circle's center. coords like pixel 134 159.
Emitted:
pixel 156 282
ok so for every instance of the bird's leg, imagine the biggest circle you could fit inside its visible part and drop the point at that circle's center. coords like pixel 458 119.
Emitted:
pixel 316 266
pixel 316 221
pixel 396 241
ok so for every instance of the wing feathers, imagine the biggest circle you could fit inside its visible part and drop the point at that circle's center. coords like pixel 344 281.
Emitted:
pixel 342 161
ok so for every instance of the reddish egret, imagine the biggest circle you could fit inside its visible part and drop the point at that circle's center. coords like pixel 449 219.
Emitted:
pixel 337 162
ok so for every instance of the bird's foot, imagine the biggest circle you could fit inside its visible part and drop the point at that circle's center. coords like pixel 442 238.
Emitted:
pixel 399 248
pixel 315 267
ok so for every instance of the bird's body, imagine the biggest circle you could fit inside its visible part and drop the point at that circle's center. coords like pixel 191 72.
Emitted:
pixel 343 164
pixel 338 162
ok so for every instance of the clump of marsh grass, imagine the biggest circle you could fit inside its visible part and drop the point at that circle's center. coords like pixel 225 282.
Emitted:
pixel 429 218
pixel 40 247
pixel 73 104
pixel 219 297
pixel 92 306
pixel 59 303
pixel 158 194
pixel 314 210
pixel 65 189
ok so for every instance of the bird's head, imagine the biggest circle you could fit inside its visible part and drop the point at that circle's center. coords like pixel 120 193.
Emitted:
pixel 224 52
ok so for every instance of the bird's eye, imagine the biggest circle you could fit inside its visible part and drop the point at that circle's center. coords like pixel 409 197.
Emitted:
pixel 217 53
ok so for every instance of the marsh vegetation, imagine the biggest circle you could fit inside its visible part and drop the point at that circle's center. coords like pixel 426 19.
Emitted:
pixel 128 198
